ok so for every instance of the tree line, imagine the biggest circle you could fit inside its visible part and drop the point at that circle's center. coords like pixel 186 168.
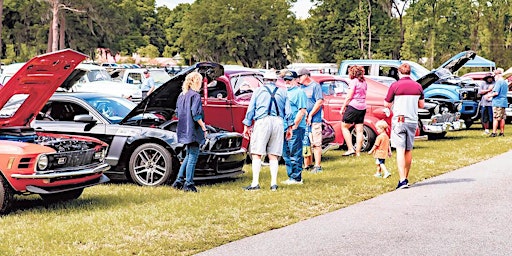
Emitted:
pixel 261 33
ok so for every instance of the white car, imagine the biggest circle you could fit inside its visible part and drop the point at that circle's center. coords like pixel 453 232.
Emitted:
pixel 97 79
pixel 136 76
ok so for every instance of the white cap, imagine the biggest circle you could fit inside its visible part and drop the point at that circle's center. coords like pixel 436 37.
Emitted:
pixel 271 75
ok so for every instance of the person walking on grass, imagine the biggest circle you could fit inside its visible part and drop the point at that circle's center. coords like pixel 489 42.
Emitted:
pixel 315 96
pixel 405 96
pixel 191 129
pixel 292 149
pixel 354 110
pixel 381 149
pixel 499 103
pixel 269 111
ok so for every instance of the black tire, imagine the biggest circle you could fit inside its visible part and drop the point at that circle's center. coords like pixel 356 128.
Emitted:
pixel 6 196
pixel 62 196
pixel 368 138
pixel 150 165
pixel 468 123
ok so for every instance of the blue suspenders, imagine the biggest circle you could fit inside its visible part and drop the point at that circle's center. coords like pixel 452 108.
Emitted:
pixel 273 99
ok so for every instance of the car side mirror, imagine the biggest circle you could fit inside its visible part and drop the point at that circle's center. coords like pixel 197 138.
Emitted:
pixel 84 119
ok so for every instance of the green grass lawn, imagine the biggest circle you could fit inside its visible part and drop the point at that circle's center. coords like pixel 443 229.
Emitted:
pixel 124 219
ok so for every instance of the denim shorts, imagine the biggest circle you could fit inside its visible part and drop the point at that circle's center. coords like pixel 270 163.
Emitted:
pixel 380 161
pixel 402 135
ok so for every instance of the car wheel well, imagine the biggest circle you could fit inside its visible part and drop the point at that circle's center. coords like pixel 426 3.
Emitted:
pixel 129 148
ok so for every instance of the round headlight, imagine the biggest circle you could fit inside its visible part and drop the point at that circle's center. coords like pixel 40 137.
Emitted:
pixel 42 162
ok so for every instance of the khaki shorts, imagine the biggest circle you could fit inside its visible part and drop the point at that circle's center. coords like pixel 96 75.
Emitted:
pixel 268 136
pixel 316 135
pixel 498 113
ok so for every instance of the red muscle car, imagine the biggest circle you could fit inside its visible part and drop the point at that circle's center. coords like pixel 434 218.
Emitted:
pixel 57 167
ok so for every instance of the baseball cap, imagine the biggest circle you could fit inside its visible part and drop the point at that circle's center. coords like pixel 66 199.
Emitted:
pixel 290 75
pixel 303 71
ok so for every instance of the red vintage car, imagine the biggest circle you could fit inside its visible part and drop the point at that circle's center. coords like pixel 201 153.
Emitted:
pixel 335 89
pixel 57 167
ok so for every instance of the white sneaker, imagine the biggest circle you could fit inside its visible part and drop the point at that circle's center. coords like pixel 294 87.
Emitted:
pixel 293 182
pixel 387 174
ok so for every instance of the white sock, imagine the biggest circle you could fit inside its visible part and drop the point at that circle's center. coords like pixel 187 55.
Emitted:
pixel 274 165
pixel 256 167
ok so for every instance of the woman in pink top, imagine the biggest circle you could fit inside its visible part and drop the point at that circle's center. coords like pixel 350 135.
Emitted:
pixel 354 109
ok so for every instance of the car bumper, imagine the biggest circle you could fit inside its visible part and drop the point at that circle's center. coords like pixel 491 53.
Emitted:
pixel 60 189
pixel 214 165
pixel 435 128
pixel 64 175
pixel 457 125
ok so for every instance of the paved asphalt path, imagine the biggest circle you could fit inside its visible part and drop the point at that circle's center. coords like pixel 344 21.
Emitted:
pixel 464 212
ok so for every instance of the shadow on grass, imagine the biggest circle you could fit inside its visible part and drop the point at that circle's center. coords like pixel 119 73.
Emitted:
pixel 441 182
pixel 34 203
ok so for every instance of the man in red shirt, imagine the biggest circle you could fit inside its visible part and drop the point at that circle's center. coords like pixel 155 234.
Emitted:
pixel 405 96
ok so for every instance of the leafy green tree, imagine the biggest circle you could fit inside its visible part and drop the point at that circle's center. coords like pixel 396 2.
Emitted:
pixel 339 30
pixel 149 51
pixel 172 26
pixel 247 32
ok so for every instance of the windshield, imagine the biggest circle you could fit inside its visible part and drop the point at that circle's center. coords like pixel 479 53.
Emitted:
pixel 159 76
pixel 417 70
pixel 98 75
pixel 245 84
pixel 114 109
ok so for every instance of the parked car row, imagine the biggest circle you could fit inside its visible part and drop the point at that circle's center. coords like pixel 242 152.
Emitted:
pixel 56 144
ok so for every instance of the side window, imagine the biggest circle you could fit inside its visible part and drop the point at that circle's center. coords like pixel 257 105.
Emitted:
pixel 366 69
pixel 334 87
pixel 134 78
pixel 245 85
pixel 389 71
pixel 61 111
pixel 217 89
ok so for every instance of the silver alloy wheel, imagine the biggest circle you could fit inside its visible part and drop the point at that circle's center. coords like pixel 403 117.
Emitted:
pixel 150 165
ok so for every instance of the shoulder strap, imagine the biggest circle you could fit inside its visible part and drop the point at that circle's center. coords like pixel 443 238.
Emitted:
pixel 272 100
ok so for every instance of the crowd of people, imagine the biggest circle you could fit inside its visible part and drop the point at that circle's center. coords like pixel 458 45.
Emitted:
pixel 287 122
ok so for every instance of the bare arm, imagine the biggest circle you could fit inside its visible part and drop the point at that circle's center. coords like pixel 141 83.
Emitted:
pixel 421 103
pixel 302 112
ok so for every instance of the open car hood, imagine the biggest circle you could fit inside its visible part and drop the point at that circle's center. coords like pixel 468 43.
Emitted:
pixel 446 69
pixel 163 99
pixel 36 81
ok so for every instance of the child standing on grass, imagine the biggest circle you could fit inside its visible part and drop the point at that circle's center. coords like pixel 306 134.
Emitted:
pixel 381 149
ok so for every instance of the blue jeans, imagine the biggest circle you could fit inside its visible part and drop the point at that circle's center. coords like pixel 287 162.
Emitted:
pixel 292 154
pixel 189 165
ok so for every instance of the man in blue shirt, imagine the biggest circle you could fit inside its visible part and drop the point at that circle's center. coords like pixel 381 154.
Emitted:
pixel 292 149
pixel 148 85
pixel 269 111
pixel 499 103
pixel 315 96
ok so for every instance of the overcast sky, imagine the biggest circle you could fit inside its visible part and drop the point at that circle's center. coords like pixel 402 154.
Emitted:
pixel 300 8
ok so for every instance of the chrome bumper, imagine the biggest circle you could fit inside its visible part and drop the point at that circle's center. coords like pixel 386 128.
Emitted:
pixel 457 125
pixel 436 128
pixel 99 169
